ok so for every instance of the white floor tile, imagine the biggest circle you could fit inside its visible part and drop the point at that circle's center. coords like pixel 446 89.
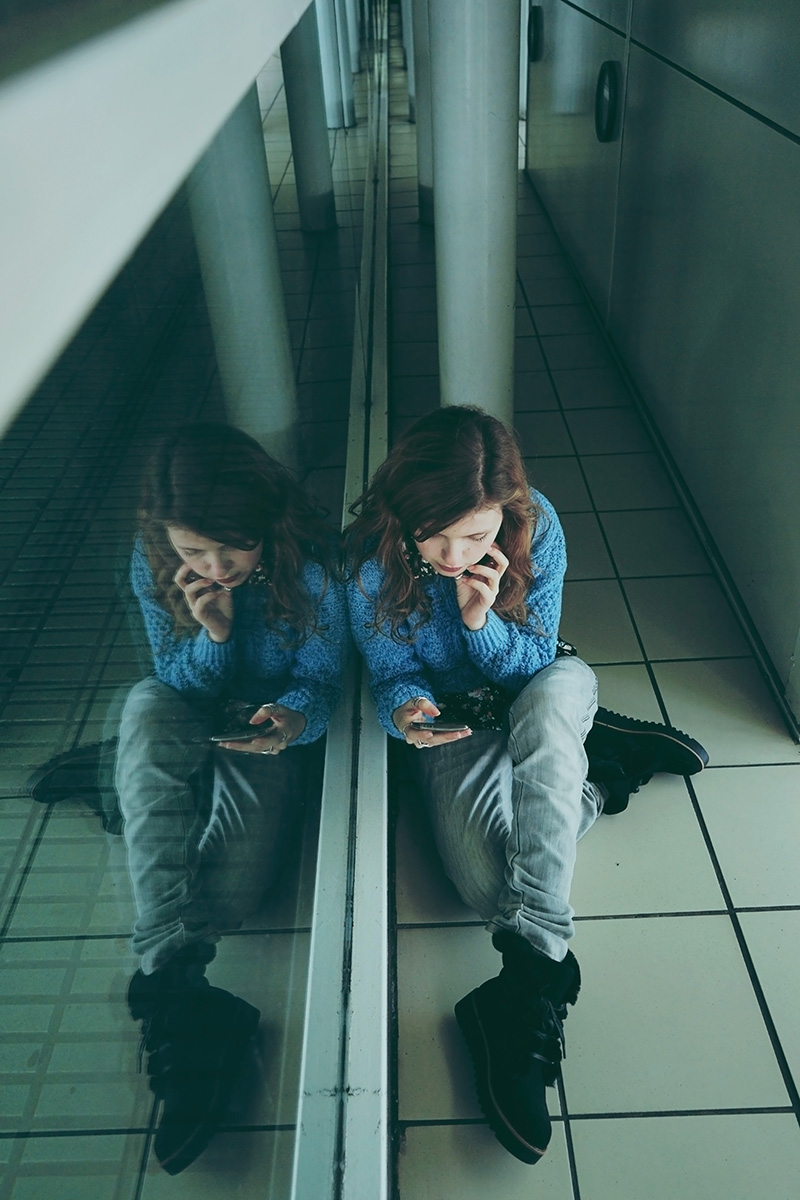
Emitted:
pixel 607 431
pixel 772 938
pixel 235 1164
pixel 649 859
pixel 78 1168
pixel 627 689
pixel 684 617
pixel 620 481
pixel 753 818
pixel 657 541
pixel 465 1162
pixel 667 1019
pixel 587 556
pixel 748 1157
pixel 725 704
pixel 594 618
pixel 423 893
pixel 436 967
pixel 561 481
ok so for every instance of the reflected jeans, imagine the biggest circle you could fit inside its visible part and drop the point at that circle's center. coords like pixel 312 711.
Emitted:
pixel 206 829
pixel 508 807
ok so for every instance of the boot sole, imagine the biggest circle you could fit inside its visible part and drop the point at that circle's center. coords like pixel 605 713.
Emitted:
pixel 693 757
pixel 469 1022
pixel 242 1027
pixel 41 787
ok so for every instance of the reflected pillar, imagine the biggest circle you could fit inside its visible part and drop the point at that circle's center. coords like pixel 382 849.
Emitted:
pixel 308 126
pixel 422 108
pixel 475 87
pixel 408 51
pixel 337 76
pixel 234 225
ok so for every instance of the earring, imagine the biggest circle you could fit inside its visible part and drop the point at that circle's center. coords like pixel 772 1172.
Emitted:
pixel 259 576
pixel 419 568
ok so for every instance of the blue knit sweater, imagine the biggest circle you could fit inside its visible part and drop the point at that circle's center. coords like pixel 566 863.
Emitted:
pixel 253 664
pixel 445 655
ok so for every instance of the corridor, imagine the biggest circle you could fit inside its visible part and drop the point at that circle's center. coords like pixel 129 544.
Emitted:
pixel 683 1051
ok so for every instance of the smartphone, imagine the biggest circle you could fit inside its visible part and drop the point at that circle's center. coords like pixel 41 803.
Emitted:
pixel 214 587
pixel 244 733
pixel 437 726
pixel 486 561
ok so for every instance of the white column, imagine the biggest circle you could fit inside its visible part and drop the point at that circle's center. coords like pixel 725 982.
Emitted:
pixel 231 207
pixel 308 127
pixel 406 8
pixel 475 84
pixel 337 74
pixel 422 81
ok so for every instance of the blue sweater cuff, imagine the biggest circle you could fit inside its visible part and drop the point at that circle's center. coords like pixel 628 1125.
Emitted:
pixel 216 656
pixel 485 644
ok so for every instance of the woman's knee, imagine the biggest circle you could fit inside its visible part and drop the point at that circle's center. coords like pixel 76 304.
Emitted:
pixel 567 684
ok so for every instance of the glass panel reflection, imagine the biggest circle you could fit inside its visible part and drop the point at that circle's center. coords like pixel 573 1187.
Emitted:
pixel 74 647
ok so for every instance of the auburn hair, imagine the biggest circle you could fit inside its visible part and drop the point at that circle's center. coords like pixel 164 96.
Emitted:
pixel 221 484
pixel 448 464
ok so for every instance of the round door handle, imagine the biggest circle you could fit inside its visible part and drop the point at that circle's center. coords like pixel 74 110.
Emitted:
pixel 607 101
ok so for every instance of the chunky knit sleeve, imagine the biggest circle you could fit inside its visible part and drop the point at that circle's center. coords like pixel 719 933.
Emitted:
pixel 318 665
pixel 396 674
pixel 192 663
pixel 510 654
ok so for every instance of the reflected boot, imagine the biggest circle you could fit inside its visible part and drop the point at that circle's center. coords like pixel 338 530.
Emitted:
pixel 78 772
pixel 624 754
pixel 196 1037
pixel 513 1027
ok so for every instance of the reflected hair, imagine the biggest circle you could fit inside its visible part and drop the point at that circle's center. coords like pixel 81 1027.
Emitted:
pixel 449 464
pixel 221 484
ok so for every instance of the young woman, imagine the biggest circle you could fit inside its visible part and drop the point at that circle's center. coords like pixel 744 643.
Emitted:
pixel 457 569
pixel 236 577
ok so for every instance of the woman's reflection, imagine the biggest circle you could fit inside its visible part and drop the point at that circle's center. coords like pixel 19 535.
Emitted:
pixel 236 577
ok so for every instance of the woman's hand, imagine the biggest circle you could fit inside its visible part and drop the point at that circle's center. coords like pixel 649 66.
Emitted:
pixel 477 590
pixel 285 726
pixel 416 710
pixel 209 604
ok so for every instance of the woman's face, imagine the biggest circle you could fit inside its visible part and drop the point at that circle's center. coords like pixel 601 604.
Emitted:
pixel 226 565
pixel 462 544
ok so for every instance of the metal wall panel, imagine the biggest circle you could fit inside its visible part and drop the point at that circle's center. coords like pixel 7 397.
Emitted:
pixel 705 309
pixel 749 50
pixel 575 174
pixel 614 12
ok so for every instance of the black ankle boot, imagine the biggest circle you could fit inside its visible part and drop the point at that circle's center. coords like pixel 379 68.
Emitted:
pixel 513 1027
pixel 624 754
pixel 195 1036
pixel 86 772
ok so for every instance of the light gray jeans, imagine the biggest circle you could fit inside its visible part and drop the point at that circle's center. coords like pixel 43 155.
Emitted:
pixel 206 829
pixel 508 807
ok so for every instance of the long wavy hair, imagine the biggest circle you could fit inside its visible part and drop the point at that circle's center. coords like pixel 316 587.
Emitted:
pixel 449 464
pixel 220 483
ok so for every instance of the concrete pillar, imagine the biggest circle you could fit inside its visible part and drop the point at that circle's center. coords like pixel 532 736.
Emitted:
pixel 308 126
pixel 406 8
pixel 231 206
pixel 422 79
pixel 337 74
pixel 475 84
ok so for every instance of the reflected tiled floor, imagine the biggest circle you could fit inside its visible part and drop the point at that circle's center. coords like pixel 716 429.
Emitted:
pixel 688 904
pixel 76 1118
